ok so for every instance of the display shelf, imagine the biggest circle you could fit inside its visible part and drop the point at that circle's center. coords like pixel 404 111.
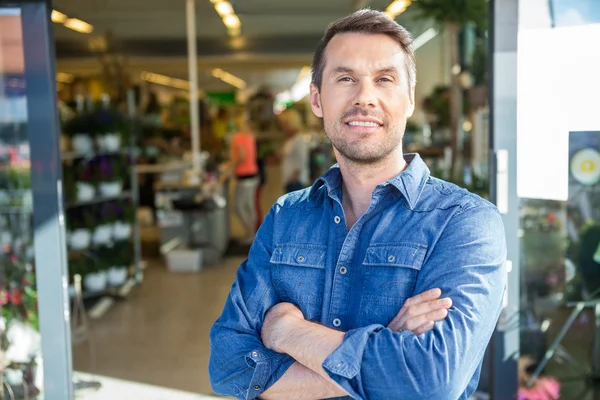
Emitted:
pixel 101 199
pixel 72 155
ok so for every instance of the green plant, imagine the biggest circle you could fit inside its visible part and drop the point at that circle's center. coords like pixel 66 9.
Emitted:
pixel 453 16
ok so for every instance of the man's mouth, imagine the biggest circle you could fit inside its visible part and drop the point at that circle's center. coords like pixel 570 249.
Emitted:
pixel 367 124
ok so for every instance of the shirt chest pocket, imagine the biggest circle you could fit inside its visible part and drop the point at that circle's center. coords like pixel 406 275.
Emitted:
pixel 390 274
pixel 298 273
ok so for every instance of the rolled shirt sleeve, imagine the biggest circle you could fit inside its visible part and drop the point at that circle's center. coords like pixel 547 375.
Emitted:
pixel 240 365
pixel 468 264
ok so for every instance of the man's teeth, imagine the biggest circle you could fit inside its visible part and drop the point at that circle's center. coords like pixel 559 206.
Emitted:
pixel 362 123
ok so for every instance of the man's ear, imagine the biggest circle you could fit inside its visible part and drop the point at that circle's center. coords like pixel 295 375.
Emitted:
pixel 315 101
pixel 411 107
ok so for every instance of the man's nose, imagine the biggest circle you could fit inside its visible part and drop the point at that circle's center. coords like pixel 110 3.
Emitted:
pixel 365 95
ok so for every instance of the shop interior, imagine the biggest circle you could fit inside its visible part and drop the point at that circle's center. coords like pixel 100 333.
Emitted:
pixel 152 236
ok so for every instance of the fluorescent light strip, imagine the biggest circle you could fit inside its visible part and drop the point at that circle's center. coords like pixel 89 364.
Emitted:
pixel 397 7
pixel 78 25
pixel 165 80
pixel 58 17
pixel 229 78
pixel 424 37
pixel 227 14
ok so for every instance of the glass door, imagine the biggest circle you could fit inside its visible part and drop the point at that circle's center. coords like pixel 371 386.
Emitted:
pixel 558 184
pixel 35 357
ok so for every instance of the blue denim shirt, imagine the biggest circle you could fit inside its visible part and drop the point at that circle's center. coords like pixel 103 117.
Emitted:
pixel 418 233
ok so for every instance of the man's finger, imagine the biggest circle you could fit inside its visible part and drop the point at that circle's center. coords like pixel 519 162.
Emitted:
pixel 417 310
pixel 433 316
pixel 418 299
pixel 426 327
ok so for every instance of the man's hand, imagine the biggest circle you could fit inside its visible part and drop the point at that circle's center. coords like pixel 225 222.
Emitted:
pixel 419 313
pixel 272 332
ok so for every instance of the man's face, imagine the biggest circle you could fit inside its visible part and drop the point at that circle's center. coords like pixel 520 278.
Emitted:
pixel 365 97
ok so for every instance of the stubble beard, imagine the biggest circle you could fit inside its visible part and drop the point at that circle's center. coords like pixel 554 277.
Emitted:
pixel 362 153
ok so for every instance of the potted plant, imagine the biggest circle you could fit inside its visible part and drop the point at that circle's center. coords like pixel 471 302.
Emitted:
pixel 122 225
pixel 79 130
pixel 453 16
pixel 84 186
pixel 109 178
pixel 110 125
pixel 102 233
pixel 95 277
pixel 121 260
pixel 80 234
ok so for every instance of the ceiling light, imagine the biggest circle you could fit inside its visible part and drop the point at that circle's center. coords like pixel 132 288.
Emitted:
pixel 304 72
pixel 58 17
pixel 424 37
pixel 229 78
pixel 397 7
pixel 215 1
pixel 165 80
pixel 231 21
pixel 78 25
pixel 64 77
pixel 234 32
pixel 224 8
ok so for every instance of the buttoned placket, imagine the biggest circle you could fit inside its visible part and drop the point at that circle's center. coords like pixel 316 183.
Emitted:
pixel 337 317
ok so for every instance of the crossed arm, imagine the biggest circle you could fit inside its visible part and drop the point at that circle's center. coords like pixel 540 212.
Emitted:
pixel 286 331
pixel 299 359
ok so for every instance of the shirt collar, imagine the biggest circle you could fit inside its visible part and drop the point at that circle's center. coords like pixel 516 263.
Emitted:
pixel 409 182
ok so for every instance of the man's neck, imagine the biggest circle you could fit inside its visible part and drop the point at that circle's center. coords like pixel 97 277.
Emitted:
pixel 359 182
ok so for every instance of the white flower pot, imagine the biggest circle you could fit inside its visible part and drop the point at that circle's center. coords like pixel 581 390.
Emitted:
pixel 117 276
pixel 111 189
pixel 102 234
pixel 14 377
pixel 111 142
pixel 80 239
pixel 4 198
pixel 95 282
pixel 82 143
pixel 85 191
pixel 5 238
pixel 28 198
pixel 121 231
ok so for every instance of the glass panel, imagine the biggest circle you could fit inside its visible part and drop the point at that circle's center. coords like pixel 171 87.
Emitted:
pixel 558 146
pixel 19 340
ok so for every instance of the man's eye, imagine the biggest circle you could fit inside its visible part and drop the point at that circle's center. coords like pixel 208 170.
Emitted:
pixel 384 79
pixel 345 79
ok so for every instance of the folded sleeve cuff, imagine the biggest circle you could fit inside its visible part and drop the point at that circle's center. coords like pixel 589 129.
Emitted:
pixel 269 366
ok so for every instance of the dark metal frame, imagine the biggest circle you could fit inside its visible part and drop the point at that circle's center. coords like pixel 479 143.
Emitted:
pixel 504 347
pixel 46 178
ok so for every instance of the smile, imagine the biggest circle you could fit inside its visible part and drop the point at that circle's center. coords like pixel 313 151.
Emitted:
pixel 364 123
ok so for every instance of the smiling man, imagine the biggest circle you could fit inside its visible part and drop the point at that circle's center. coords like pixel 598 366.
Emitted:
pixel 379 281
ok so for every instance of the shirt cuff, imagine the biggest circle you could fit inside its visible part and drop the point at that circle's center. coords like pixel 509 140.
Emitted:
pixel 344 363
pixel 269 366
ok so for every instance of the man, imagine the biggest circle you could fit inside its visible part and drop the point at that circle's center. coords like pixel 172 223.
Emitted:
pixel 295 152
pixel 340 294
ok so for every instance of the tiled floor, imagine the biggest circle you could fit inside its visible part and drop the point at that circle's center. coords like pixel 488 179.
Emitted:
pixel 160 335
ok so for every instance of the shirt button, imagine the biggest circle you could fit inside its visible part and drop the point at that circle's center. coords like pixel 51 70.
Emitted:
pixel 255 354
pixel 256 387
pixel 337 219
pixel 343 270
pixel 300 258
pixel 337 322
pixel 391 258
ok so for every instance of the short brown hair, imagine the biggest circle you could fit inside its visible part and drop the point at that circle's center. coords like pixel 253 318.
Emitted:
pixel 369 22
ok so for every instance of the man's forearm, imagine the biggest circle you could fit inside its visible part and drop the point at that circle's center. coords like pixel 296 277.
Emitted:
pixel 310 344
pixel 301 383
